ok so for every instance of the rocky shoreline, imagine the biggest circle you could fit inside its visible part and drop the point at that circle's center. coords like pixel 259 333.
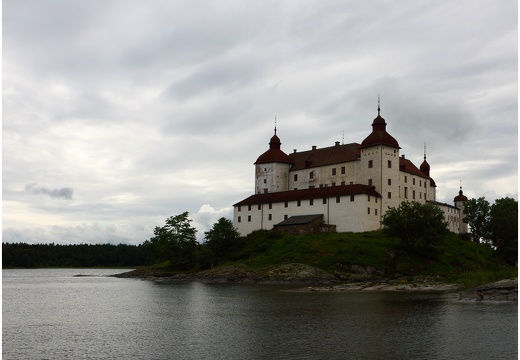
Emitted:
pixel 503 290
pixel 321 281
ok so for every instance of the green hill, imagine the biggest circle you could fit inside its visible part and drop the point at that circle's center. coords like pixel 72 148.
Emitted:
pixel 456 259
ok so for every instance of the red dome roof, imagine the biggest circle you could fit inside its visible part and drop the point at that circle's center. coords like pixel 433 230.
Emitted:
pixel 379 136
pixel 425 167
pixel 460 197
pixel 274 154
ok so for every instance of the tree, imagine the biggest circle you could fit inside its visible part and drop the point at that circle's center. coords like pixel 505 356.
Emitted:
pixel 220 239
pixel 477 217
pixel 176 241
pixel 419 226
pixel 503 229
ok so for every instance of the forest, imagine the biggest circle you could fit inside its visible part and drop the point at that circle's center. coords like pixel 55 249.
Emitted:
pixel 21 255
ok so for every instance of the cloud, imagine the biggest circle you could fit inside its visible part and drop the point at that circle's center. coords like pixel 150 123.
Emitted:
pixel 61 193
pixel 156 108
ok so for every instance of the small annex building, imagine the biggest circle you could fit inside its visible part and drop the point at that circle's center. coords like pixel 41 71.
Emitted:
pixel 346 187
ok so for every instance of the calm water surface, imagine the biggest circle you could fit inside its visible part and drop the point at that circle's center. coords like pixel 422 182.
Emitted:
pixel 50 314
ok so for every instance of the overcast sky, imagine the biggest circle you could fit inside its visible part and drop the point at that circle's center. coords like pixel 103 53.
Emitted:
pixel 119 114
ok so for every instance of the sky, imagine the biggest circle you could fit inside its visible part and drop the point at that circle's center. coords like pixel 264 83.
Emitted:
pixel 118 114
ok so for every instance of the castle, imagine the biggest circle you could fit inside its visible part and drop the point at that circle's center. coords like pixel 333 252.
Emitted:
pixel 344 188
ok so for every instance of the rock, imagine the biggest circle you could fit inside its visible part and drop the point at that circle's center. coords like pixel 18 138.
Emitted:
pixel 503 290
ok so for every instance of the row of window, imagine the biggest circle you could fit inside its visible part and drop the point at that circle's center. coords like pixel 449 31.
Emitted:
pixel 343 171
pixel 371 164
pixel 421 183
pixel 270 216
pixel 413 194
pixel 299 203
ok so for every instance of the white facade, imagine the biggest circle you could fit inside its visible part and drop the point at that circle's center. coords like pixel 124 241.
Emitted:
pixel 351 185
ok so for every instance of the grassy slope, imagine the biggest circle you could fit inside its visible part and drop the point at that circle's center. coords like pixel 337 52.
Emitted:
pixel 456 259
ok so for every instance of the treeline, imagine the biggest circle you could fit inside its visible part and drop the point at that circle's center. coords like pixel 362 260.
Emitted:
pixel 419 227
pixel 21 255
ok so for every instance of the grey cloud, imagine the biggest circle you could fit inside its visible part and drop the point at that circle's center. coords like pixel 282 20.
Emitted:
pixel 61 193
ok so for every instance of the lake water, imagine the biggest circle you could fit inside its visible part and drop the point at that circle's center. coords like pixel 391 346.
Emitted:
pixel 50 314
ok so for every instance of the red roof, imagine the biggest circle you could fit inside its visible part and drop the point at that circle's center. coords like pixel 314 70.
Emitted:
pixel 407 166
pixel 305 194
pixel 460 197
pixel 379 136
pixel 274 154
pixel 325 156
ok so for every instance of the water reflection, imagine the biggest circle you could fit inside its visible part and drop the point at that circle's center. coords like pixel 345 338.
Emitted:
pixel 49 316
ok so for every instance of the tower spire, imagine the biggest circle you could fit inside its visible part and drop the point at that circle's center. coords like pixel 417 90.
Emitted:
pixel 425 150
pixel 275 124
pixel 378 105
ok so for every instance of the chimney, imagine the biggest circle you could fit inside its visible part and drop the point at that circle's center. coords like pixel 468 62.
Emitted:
pixel 313 147
pixel 337 143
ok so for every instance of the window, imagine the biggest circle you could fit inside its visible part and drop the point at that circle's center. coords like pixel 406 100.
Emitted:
pixel 368 198
pixel 405 179
pixel 389 195
pixel 270 216
pixel 420 195
pixel 270 205
pixel 311 202
pixel 286 204
pixel 370 164
pixel 413 181
pixel 249 218
pixel 239 208
pixel 333 171
pixel 248 207
pixel 351 197
pixel 324 200
pixel 333 184
pixel 285 217
pixel 299 203
pixel 369 182
pixel 413 194
pixel 420 183
pixel 342 170
pixel 368 211
pixel 295 177
pixel 338 199
pixel 389 181
pixel 342 183
pixel 375 210
pixel 240 219
pixel 265 181
pixel 259 207
pixel 266 191
pixel 405 192
pixel 389 164
pixel 311 175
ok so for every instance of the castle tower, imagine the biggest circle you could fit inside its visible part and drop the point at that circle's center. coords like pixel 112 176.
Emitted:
pixel 272 168
pixel 425 169
pixel 379 163
pixel 460 200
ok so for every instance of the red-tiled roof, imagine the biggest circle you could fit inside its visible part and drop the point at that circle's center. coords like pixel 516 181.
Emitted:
pixel 460 197
pixel 325 156
pixel 305 194
pixel 379 136
pixel 408 167
pixel 274 154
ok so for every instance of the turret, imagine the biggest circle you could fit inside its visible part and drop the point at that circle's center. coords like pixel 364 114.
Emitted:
pixel 379 162
pixel 460 201
pixel 272 168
